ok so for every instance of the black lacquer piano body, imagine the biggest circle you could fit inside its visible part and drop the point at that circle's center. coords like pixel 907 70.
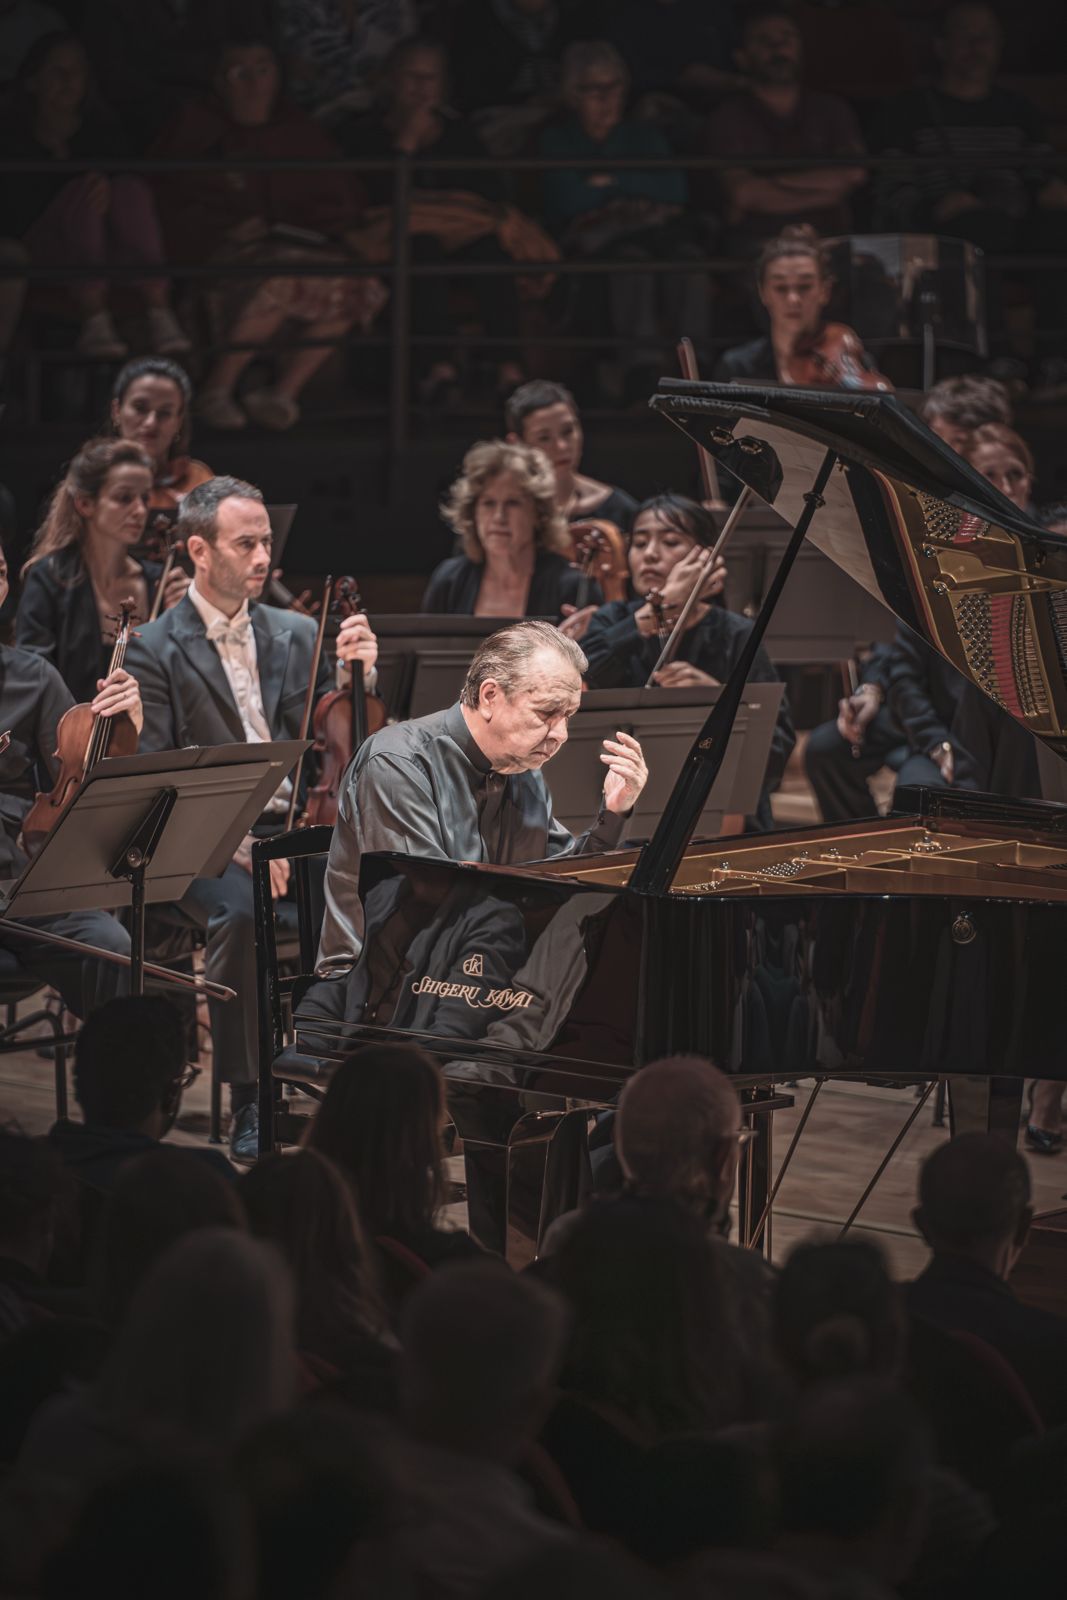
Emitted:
pixel 926 944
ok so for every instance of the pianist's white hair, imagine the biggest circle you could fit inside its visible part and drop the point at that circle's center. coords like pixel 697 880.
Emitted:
pixel 506 655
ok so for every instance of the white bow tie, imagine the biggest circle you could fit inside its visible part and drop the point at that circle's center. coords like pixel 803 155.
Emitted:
pixel 232 631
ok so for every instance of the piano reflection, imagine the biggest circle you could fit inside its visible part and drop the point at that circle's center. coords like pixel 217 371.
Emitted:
pixel 919 946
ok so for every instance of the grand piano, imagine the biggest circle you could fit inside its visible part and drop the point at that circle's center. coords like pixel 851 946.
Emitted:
pixel 921 946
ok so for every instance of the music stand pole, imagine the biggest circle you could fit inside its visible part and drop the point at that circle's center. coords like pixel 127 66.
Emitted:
pixel 133 865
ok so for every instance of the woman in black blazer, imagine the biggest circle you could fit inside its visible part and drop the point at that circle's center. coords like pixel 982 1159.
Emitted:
pixel 81 568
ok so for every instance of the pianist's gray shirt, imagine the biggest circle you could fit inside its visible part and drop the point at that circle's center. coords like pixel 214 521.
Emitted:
pixel 424 788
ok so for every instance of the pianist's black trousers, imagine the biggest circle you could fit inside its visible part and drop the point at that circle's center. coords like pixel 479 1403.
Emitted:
pixel 839 778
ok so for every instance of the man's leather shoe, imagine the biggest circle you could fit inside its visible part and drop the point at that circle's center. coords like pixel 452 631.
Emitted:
pixel 244 1134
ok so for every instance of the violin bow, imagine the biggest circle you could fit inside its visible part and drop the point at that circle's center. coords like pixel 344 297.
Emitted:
pixel 309 698
pixel 687 361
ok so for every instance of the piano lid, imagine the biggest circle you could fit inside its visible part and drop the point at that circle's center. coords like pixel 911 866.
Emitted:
pixel 908 519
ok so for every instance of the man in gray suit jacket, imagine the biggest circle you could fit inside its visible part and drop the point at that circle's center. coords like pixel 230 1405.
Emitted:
pixel 218 670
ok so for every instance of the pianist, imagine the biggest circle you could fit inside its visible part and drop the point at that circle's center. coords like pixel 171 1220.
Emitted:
pixel 465 784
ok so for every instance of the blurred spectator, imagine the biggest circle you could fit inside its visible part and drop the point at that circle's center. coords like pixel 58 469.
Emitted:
pixel 620 214
pixel 381 1120
pixel 22 23
pixel 265 219
pixel 151 401
pixel 481 1349
pixel 954 407
pixel 778 116
pixel 301 1203
pixel 966 114
pixel 544 416
pixel 506 55
pixel 33 1184
pixel 129 1073
pixel 318 1482
pixel 974 1212
pixel 90 220
pixel 414 118
pixel 150 55
pixel 334 48
pixel 1000 455
pixel 205 1353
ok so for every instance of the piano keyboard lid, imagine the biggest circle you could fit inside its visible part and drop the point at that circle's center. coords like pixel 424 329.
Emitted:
pixel 911 521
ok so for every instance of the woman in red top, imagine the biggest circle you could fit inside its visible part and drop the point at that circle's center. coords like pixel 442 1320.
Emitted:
pixel 273 218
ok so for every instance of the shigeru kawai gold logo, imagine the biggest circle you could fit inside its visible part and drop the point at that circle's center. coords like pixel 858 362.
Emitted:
pixel 474 994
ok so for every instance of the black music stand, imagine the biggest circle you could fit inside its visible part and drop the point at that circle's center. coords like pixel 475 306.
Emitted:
pixel 141 828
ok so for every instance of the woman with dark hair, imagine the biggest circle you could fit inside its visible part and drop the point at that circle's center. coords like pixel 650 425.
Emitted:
pixel 668 549
pixel 381 1121
pixel 151 403
pixel 81 567
pixel 302 1204
pixel 89 219
pixel 794 285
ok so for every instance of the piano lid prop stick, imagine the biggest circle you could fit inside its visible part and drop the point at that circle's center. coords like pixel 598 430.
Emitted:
pixel 707 565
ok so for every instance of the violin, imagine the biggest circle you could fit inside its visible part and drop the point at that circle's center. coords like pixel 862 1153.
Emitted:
pixel 82 740
pixel 833 358
pixel 342 719
pixel 600 556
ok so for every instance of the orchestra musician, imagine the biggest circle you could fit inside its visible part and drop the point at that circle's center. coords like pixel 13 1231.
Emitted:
pixel 543 416
pixel 668 546
pixel 515 560
pixel 220 668
pixel 33 698
pixel 801 347
pixel 82 567
pixel 150 405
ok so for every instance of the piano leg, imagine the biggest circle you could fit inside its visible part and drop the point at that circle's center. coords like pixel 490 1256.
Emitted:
pixel 985 1105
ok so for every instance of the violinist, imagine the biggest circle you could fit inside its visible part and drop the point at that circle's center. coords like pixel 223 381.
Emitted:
pixel 668 546
pixel 219 668
pixel 515 560
pixel 33 698
pixel 150 405
pixel 801 349
pixel 543 416
pixel 82 567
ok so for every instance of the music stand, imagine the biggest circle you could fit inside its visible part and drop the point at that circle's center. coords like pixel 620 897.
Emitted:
pixel 141 828
pixel 665 722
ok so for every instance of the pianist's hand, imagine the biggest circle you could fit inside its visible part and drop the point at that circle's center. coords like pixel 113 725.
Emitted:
pixel 356 640
pixel 683 675
pixel 117 693
pixel 626 775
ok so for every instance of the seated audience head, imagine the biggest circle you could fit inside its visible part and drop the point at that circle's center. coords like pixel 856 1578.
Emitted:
pixel 169 1529
pixel 481 1350
pixel 654 1336
pixel 1000 455
pixel 794 282
pixel 666 529
pixel 53 80
pixel 248 81
pixel 974 1200
pixel 836 1313
pixel 853 1462
pixel 33 1186
pixel 955 407
pixel 318 1484
pixel 414 78
pixel 381 1121
pixel 503 504
pixel 206 1349
pixel 226 528
pixel 544 416
pixel 522 687
pixel 676 1134
pixel 968 45
pixel 103 496
pixel 130 1065
pixel 770 49
pixel 158 1198
pixel 150 405
pixel 595 82
pixel 301 1203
